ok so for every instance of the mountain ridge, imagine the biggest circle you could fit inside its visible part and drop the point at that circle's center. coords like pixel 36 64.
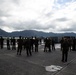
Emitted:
pixel 29 33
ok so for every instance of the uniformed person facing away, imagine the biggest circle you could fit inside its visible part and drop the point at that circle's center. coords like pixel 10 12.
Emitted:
pixel 24 42
pixel 32 43
pixel 8 43
pixel 47 45
pixel 65 50
pixel 1 42
pixel 70 44
pixel 53 44
pixel 36 44
pixel 20 42
pixel 74 44
pixel 28 47
pixel 13 43
pixel 61 41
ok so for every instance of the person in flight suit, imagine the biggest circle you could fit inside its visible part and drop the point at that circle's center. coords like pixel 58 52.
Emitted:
pixel 28 47
pixel 36 44
pixel 1 42
pixel 53 44
pixel 73 43
pixel 65 50
pixel 8 43
pixel 61 41
pixel 20 43
pixel 13 43
pixel 47 44
pixel 32 43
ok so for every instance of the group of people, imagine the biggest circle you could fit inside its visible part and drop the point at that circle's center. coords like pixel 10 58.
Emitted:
pixel 49 44
pixel 20 43
pixel 31 44
pixel 28 44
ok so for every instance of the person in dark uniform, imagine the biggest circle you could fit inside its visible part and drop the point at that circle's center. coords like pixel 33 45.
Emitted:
pixel 13 43
pixel 36 44
pixel 74 44
pixel 65 50
pixel 28 47
pixel 70 44
pixel 24 42
pixel 1 42
pixel 8 43
pixel 53 44
pixel 20 43
pixel 47 45
pixel 32 43
pixel 61 41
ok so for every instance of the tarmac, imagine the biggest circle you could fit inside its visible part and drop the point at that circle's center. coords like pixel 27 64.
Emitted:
pixel 12 64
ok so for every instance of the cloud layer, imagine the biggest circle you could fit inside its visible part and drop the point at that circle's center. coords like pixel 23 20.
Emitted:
pixel 43 15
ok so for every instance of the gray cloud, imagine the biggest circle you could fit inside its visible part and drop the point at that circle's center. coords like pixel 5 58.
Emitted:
pixel 2 13
pixel 27 25
pixel 62 19
pixel 67 29
pixel 1 1
pixel 22 23
pixel 16 2
pixel 72 28
pixel 1 22
pixel 48 14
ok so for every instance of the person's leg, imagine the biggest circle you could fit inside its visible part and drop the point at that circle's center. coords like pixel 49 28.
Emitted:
pixel 66 56
pixel 62 56
pixel 49 49
pixel 30 52
pixel 27 52
pixel 17 50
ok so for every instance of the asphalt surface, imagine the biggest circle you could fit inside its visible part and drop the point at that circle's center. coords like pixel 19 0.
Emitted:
pixel 12 64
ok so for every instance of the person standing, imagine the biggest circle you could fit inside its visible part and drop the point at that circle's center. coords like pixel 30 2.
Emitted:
pixel 61 41
pixel 8 43
pixel 47 45
pixel 36 44
pixel 65 50
pixel 32 43
pixel 20 43
pixel 1 42
pixel 53 44
pixel 74 43
pixel 28 47
pixel 13 43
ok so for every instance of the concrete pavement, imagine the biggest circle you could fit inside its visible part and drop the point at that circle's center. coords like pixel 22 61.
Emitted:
pixel 12 64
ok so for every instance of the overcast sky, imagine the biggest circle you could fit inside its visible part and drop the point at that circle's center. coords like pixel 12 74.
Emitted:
pixel 42 15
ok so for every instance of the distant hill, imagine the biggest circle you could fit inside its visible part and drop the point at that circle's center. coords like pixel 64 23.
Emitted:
pixel 30 33
pixel 3 33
